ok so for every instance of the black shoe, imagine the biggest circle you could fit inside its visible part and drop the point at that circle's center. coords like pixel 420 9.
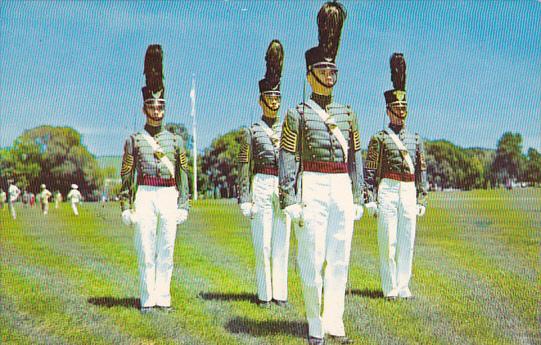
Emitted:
pixel 391 298
pixel 165 309
pixel 264 304
pixel 279 303
pixel 145 310
pixel 340 339
pixel 315 341
pixel 408 298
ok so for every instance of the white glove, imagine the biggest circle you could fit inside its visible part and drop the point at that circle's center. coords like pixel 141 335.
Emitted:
pixel 372 209
pixel 246 209
pixel 294 212
pixel 128 217
pixel 421 210
pixel 357 211
pixel 182 215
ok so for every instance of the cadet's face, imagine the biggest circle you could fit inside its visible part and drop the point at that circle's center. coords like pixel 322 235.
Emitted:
pixel 273 102
pixel 154 110
pixel 397 113
pixel 327 76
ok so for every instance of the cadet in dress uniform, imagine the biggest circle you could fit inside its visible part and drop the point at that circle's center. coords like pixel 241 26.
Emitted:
pixel 258 181
pixel 321 179
pixel 3 198
pixel 74 196
pixel 57 199
pixel 396 179
pixel 154 194
pixel 13 194
pixel 44 196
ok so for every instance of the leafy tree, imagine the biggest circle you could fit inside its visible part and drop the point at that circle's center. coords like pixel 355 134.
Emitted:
pixel 22 162
pixel 52 155
pixel 509 162
pixel 533 167
pixel 451 166
pixel 219 164
pixel 485 157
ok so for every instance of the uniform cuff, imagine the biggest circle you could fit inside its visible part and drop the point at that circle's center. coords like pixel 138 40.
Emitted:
pixel 358 199
pixel 287 201
pixel 183 205
pixel 243 199
pixel 124 206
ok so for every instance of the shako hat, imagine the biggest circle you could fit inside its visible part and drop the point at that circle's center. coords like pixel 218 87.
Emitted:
pixel 398 77
pixel 270 84
pixel 330 20
pixel 154 89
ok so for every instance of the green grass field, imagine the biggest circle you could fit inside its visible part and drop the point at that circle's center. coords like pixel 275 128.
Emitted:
pixel 69 280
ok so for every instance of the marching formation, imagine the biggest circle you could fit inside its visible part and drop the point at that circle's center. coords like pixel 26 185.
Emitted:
pixel 304 174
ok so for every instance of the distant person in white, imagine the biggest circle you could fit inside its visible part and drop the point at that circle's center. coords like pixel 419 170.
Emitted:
pixel 44 196
pixel 13 194
pixel 57 199
pixel 74 196
pixel 3 198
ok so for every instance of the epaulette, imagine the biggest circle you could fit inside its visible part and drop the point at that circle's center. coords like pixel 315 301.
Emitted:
pixel 244 152
pixel 356 141
pixel 183 160
pixel 288 140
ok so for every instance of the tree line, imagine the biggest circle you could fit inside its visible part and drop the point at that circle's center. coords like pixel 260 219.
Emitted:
pixel 56 156
pixel 448 165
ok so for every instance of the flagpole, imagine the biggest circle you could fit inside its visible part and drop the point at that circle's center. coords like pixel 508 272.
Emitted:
pixel 194 135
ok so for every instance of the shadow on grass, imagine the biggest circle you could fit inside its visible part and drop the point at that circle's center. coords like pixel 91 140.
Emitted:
pixel 374 294
pixel 268 327
pixel 249 297
pixel 109 302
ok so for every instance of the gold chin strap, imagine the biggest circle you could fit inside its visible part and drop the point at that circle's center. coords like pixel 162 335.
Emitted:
pixel 153 122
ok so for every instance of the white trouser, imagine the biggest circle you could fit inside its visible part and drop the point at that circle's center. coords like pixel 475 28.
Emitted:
pixel 74 207
pixel 270 236
pixel 45 207
pixel 11 206
pixel 325 236
pixel 155 232
pixel 396 234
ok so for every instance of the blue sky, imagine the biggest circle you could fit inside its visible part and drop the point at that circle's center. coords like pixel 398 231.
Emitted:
pixel 474 68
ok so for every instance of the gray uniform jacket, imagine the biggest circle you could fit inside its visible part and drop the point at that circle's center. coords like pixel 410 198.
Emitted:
pixel 258 154
pixel 384 158
pixel 306 138
pixel 139 162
